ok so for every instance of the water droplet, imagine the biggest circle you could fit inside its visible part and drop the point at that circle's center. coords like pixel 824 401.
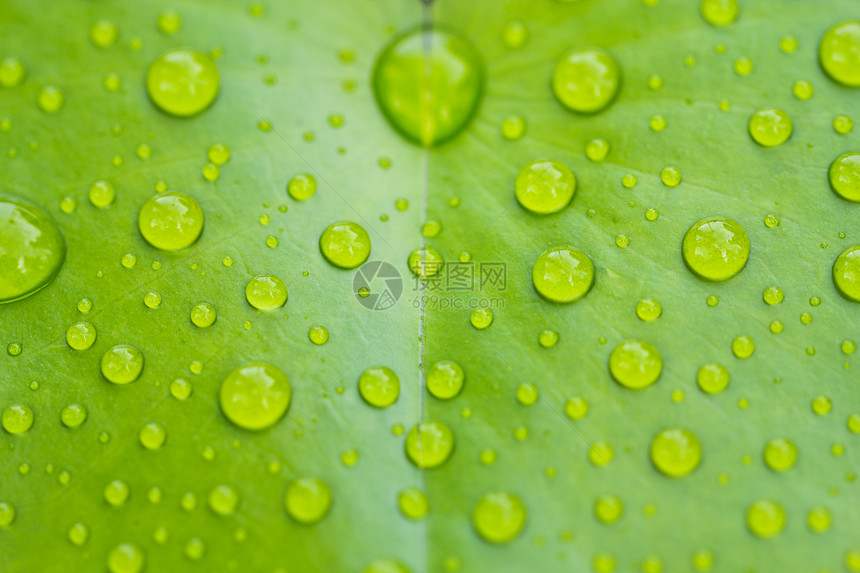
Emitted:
pixel 676 452
pixel 844 176
pixel 604 562
pixel 846 273
pixel 765 518
pixel 17 418
pixel 425 262
pixel 203 315
pixel 657 123
pixel 743 66
pixel 716 248
pixel 255 396
pixel 445 379
pixel 223 499
pixel 586 81
pixel 266 292
pixel 481 318
pixel 78 534
pixel 103 34
pixel 635 364
pixel 318 335
pixel 527 394
pixel 848 347
pixel 68 205
pixel 770 127
pixel 719 12
pixel 648 309
pixel 308 500
pixel 183 82
pixel 7 513
pixel 218 154
pixel 211 172
pixel 499 517
pixel 655 82
pixel 122 364
pixel 788 44
pixel 413 503
pixel 388 566
pixel 670 176
pixel 818 519
pixel 839 53
pixel 73 415
pixel 821 405
pixel 842 124
pixel 33 249
pixel 345 244
pixel 81 335
pixel 128 260
pixel 743 346
pixel 195 548
pixel 548 338
pixel 629 181
pixel 428 84
pixel 50 99
pixel 379 386
pixel 597 149
pixel 302 186
pixel 12 72
pixel 515 35
pixel 608 508
pixel 576 408
pixel 429 444
pixel 563 274
pixel 169 22
pixel 152 300
pixel 171 221
pixel 152 436
pixel 188 501
pixel 802 90
pixel 600 453
pixel 126 558
pixel 545 186
pixel 14 349
pixel 712 378
pixel 771 221
pixel 116 492
pixel 773 295
pixel 513 127
pixel 780 454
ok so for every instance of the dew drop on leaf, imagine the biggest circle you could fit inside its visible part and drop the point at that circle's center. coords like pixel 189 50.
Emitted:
pixel 345 244
pixel 839 53
pixel 846 273
pixel 676 452
pixel 379 386
pixel 17 418
pixel 413 503
pixel 844 175
pixel 563 274
pixel 255 396
pixel 428 84
pixel 171 221
pixel 770 127
pixel 33 249
pixel 183 82
pixel 302 186
pixel 780 454
pixel 586 81
pixel 765 518
pixel 308 500
pixel 429 444
pixel 635 364
pixel 716 248
pixel 499 517
pixel 122 364
pixel 266 292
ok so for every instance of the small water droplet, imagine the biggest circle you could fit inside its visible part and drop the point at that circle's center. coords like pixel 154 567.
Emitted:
pixel 635 364
pixel 563 274
pixel 171 221
pixel 255 396
pixel 122 364
pixel 266 292
pixel 586 81
pixel 716 248
pixel 765 518
pixel 345 244
pixel 846 273
pixel 499 517
pixel 308 500
pixel 183 82
pixel 770 127
pixel 429 444
pixel 844 176
pixel 676 452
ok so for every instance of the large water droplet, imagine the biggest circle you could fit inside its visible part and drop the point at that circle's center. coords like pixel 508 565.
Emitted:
pixel 765 518
pixel 266 292
pixel 780 454
pixel 716 248
pixel 676 452
pixel 122 364
pixel 17 418
pixel 846 273
pixel 183 82
pixel 223 499
pixel 770 127
pixel 635 364
pixel 428 84
pixel 844 176
pixel 429 444
pixel 586 81
pixel 308 500
pixel 563 274
pixel 379 386
pixel 545 186
pixel 81 335
pixel 126 558
pixel 839 53
pixel 345 244
pixel 255 396
pixel 171 221
pixel 32 249
pixel 445 379
pixel 719 12
pixel 499 517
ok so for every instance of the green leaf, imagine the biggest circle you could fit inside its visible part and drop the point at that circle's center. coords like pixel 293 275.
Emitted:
pixel 287 72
